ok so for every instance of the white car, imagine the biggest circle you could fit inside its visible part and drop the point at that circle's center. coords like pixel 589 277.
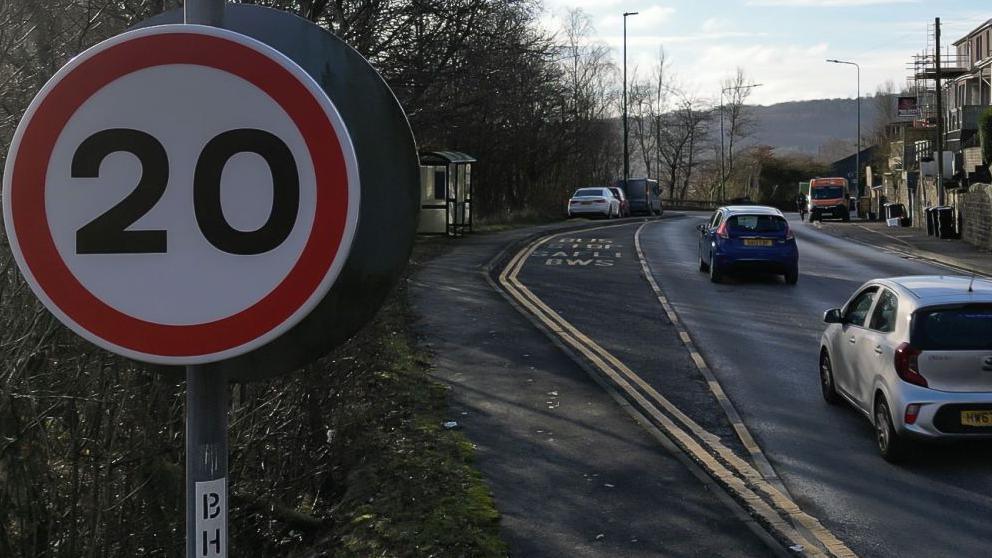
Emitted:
pixel 914 354
pixel 594 201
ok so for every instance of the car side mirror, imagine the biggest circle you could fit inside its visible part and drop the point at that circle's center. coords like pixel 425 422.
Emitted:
pixel 701 227
pixel 833 316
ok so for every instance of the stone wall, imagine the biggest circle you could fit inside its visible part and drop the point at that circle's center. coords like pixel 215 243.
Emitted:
pixel 975 206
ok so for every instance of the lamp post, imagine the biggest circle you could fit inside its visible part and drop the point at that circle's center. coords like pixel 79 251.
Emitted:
pixel 723 173
pixel 857 156
pixel 626 153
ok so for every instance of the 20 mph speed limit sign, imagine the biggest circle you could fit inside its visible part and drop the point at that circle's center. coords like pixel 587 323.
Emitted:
pixel 181 194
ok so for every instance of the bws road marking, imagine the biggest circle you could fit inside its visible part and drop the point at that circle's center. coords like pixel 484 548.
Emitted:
pixel 580 252
pixel 738 477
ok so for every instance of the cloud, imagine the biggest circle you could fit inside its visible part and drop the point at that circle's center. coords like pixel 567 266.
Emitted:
pixel 649 19
pixel 827 3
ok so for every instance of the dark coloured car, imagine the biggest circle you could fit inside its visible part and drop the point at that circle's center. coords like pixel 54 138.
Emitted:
pixel 624 203
pixel 643 195
pixel 748 238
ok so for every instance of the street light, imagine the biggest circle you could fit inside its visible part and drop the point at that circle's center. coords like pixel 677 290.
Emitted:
pixel 626 154
pixel 857 157
pixel 723 173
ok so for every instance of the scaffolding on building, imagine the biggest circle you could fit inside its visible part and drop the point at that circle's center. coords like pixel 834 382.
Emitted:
pixel 922 79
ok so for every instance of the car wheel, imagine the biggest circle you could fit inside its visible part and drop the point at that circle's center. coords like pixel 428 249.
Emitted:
pixel 703 266
pixel 827 380
pixel 716 274
pixel 890 444
pixel 792 276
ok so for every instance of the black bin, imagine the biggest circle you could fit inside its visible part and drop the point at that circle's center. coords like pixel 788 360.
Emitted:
pixel 930 216
pixel 944 222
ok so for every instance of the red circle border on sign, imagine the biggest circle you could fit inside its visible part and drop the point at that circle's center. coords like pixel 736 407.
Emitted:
pixel 33 234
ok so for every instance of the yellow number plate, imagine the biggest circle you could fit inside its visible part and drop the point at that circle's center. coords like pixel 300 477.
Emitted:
pixel 976 418
pixel 757 242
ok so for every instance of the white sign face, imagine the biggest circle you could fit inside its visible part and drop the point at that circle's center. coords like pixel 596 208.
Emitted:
pixel 181 194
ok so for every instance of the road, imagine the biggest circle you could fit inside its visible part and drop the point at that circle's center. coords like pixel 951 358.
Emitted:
pixel 571 471
pixel 760 339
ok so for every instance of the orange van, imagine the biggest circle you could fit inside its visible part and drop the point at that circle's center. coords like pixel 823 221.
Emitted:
pixel 828 198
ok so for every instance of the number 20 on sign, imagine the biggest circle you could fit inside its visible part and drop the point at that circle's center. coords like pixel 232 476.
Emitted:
pixel 181 194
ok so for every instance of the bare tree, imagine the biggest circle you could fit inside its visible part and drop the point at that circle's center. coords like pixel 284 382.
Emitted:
pixel 682 131
pixel 738 121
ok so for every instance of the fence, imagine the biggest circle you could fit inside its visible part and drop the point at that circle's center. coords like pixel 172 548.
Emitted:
pixel 690 205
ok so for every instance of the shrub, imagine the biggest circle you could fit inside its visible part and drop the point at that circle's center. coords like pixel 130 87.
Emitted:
pixel 985 134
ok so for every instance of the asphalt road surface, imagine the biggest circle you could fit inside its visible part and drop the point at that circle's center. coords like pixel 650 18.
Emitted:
pixel 760 337
pixel 571 472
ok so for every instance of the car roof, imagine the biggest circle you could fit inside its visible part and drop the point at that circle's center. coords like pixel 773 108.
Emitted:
pixel 751 210
pixel 928 290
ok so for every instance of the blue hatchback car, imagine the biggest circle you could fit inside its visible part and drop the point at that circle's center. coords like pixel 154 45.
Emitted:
pixel 748 238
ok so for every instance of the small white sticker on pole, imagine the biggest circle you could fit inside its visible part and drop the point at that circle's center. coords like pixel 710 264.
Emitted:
pixel 211 519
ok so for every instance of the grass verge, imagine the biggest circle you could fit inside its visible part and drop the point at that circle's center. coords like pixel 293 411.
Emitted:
pixel 408 484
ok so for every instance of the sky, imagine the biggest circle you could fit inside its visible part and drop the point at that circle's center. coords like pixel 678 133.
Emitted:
pixel 782 44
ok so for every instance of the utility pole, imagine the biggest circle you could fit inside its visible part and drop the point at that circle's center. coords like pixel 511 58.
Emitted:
pixel 940 121
pixel 857 156
pixel 723 172
pixel 626 153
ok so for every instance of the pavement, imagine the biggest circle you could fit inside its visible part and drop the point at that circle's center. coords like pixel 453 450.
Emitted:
pixel 573 470
pixel 951 252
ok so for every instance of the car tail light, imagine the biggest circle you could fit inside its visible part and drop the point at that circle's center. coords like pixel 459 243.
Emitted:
pixel 912 411
pixel 573 202
pixel 907 363
pixel 600 201
pixel 722 231
pixel 789 235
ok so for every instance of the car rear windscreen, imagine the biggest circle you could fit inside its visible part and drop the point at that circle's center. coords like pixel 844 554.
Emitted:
pixel 757 223
pixel 962 328
pixel 589 193
pixel 827 192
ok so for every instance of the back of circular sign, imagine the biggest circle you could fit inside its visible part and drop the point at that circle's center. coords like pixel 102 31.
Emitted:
pixel 389 178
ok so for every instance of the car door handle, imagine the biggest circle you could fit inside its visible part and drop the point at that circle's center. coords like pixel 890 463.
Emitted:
pixel 878 349
pixel 852 340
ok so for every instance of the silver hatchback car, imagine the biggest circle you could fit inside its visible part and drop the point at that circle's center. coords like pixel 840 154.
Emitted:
pixel 914 354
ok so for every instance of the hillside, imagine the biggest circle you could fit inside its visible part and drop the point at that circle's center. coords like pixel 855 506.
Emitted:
pixel 806 126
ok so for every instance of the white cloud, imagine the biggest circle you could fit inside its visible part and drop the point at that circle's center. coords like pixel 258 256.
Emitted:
pixel 793 72
pixel 714 25
pixel 827 3
pixel 646 20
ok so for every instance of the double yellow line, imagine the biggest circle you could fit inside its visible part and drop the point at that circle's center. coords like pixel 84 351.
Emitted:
pixel 762 499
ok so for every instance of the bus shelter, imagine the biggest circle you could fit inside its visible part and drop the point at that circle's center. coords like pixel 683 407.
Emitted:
pixel 445 193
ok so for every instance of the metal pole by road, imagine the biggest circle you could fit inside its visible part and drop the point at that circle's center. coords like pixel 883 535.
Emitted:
pixel 206 463
pixel 857 156
pixel 940 119
pixel 206 413
pixel 723 172
pixel 626 153
pixel 204 12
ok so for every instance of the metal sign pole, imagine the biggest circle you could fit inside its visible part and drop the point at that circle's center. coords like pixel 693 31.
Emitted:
pixel 206 413
pixel 206 463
